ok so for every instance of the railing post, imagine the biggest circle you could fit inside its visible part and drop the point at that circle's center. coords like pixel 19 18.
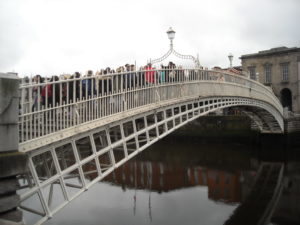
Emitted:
pixel 12 162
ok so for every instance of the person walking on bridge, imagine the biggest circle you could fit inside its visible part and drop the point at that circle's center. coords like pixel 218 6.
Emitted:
pixel 150 74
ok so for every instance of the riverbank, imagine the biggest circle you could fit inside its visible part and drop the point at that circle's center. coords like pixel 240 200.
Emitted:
pixel 234 129
pixel 218 129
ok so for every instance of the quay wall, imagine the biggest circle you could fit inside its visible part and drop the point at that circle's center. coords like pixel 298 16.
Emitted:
pixel 12 162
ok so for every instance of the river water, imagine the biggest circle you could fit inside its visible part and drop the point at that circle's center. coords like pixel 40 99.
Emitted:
pixel 183 182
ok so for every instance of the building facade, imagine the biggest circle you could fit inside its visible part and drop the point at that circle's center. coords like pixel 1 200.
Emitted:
pixel 278 68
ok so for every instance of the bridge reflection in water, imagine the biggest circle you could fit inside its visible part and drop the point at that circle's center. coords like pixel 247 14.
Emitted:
pixel 166 177
pixel 232 176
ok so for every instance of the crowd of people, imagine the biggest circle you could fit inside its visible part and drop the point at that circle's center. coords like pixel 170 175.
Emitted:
pixel 65 89
pixel 70 88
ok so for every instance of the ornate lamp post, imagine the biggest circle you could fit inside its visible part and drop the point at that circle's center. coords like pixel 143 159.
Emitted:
pixel 171 36
pixel 230 57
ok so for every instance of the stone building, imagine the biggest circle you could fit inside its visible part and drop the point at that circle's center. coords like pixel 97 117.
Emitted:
pixel 278 68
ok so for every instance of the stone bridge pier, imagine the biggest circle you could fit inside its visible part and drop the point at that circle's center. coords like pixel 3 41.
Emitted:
pixel 12 162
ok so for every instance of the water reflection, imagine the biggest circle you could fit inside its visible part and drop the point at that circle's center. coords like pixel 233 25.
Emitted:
pixel 175 182
pixel 288 208
pixel 224 186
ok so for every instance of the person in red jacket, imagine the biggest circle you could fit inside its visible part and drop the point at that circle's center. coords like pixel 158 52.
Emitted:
pixel 150 74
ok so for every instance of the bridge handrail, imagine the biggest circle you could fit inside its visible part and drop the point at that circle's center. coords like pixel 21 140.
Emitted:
pixel 257 85
pixel 108 76
pixel 79 100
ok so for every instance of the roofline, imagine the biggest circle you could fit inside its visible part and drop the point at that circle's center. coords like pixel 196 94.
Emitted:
pixel 269 52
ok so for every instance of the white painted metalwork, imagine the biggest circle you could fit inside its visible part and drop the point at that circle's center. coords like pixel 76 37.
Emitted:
pixel 56 167
pixel 79 135
pixel 118 95
pixel 171 36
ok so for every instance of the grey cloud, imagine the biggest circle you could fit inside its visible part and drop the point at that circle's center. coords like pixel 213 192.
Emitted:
pixel 14 35
pixel 72 33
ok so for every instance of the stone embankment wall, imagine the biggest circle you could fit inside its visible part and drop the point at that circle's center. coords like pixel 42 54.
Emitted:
pixel 12 162
pixel 218 129
pixel 238 129
pixel 292 124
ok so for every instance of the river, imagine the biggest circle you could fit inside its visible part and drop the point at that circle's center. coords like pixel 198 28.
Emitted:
pixel 184 182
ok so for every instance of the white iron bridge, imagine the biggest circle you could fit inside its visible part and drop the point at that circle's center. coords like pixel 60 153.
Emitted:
pixel 86 127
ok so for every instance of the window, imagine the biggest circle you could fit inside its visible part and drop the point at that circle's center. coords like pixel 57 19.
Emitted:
pixel 268 73
pixel 252 72
pixel 285 71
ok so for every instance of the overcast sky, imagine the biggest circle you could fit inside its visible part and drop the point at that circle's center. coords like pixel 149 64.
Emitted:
pixel 62 36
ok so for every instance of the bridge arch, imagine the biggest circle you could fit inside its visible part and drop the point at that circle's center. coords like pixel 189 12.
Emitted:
pixel 111 145
pixel 118 125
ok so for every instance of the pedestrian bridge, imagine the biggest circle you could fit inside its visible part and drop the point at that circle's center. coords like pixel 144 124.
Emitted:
pixel 86 127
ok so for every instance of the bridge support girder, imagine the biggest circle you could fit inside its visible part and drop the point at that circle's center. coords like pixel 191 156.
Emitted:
pixel 71 166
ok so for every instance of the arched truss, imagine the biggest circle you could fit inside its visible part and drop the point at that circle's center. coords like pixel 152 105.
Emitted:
pixel 69 167
pixel 262 120
pixel 172 51
pixel 46 124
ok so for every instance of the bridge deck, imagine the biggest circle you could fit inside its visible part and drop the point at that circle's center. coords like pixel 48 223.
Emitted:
pixel 64 109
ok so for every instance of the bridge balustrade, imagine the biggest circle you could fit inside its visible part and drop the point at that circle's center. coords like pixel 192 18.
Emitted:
pixel 109 119
pixel 49 107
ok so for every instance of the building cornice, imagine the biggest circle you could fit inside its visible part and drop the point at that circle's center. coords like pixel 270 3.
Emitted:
pixel 271 52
